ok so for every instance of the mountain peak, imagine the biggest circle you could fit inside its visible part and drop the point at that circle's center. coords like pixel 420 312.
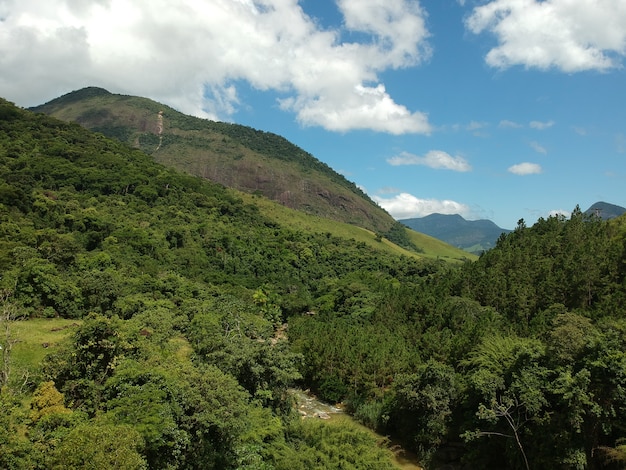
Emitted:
pixel 233 155
pixel 470 235
pixel 605 210
pixel 74 96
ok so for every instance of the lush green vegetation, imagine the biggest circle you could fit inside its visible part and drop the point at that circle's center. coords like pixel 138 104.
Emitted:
pixel 170 291
pixel 522 353
pixel 175 315
pixel 421 246
pixel 236 156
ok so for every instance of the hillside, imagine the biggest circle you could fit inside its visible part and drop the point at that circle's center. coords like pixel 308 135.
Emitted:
pixel 168 317
pixel 236 156
pixel 91 193
pixel 605 210
pixel 474 236
pixel 140 269
pixel 420 245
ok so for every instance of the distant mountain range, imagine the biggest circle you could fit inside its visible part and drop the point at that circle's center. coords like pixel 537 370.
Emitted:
pixel 476 236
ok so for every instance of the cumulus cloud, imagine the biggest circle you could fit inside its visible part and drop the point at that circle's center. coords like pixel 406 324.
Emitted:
pixel 192 54
pixel 537 147
pixel 398 25
pixel 568 35
pixel 434 159
pixel 539 125
pixel 406 206
pixel 559 213
pixel 525 168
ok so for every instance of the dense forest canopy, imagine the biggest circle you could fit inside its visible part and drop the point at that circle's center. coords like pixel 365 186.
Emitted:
pixel 174 297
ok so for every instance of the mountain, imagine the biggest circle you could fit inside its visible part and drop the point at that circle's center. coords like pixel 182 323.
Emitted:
pixel 605 210
pixel 250 161
pixel 169 318
pixel 474 236
pixel 165 295
pixel 233 155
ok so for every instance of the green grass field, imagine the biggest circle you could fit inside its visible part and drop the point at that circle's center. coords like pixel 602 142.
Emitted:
pixel 36 338
pixel 432 247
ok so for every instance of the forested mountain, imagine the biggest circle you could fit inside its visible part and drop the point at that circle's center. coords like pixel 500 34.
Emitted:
pixel 157 314
pixel 236 156
pixel 474 236
pixel 175 291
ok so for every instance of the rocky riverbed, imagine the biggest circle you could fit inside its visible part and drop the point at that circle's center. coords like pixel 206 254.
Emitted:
pixel 310 407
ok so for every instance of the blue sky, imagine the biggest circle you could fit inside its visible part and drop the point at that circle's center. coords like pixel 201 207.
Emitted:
pixel 501 109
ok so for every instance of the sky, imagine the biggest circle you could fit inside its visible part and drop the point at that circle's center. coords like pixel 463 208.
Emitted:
pixel 491 109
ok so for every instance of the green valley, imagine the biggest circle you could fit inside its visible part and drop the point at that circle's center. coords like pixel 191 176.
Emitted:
pixel 153 319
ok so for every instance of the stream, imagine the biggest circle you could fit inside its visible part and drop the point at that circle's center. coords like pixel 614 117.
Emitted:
pixel 310 407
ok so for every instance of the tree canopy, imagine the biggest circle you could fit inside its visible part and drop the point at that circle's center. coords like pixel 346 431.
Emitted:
pixel 191 315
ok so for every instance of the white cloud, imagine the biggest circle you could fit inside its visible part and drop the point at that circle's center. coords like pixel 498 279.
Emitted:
pixel 568 35
pixel 537 147
pixel 506 124
pixel 434 159
pixel 398 25
pixel 539 125
pixel 525 168
pixel 559 212
pixel 361 108
pixel 406 206
pixel 191 54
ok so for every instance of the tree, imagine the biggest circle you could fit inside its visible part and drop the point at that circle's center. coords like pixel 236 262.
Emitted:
pixel 316 444
pixel 15 450
pixel 421 405
pixel 82 367
pixel 268 303
pixel 8 314
pixel 47 400
pixel 97 445
pixel 509 381
pixel 144 398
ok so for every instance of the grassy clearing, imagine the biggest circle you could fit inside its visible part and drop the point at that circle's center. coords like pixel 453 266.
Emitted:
pixel 298 220
pixel 36 338
pixel 433 248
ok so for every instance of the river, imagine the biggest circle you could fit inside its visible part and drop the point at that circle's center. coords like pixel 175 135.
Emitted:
pixel 310 407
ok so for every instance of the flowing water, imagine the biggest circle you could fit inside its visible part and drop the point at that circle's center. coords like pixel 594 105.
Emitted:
pixel 310 407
